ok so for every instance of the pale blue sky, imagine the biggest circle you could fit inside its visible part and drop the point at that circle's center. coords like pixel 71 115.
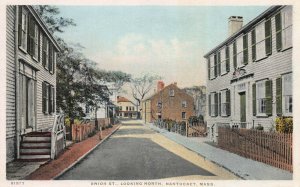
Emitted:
pixel 166 40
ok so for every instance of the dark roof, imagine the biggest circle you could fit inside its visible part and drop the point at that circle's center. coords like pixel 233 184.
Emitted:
pixel 245 28
pixel 122 99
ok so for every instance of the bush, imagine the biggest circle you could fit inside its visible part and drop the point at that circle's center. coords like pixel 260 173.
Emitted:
pixel 259 127
pixel 284 124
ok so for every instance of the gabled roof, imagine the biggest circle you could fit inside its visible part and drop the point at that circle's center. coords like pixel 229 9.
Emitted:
pixel 245 28
pixel 122 99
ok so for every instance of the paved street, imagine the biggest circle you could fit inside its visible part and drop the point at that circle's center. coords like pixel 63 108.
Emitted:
pixel 136 152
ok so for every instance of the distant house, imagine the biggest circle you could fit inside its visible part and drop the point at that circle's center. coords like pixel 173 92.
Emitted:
pixel 126 108
pixel 168 102
pixel 250 72
pixel 30 82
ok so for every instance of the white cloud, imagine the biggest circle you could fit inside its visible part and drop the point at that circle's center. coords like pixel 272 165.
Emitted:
pixel 175 60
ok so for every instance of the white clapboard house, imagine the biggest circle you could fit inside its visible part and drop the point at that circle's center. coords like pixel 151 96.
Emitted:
pixel 30 84
pixel 250 73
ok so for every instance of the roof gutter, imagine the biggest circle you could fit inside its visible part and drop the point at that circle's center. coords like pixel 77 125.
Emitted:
pixel 244 28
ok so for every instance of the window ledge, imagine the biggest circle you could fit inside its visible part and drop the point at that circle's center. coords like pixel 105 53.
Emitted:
pixel 257 60
pixel 285 49
pixel 262 115
pixel 288 115
pixel 23 50
pixel 34 58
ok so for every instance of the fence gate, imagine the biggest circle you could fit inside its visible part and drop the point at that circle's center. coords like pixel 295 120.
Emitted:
pixel 198 129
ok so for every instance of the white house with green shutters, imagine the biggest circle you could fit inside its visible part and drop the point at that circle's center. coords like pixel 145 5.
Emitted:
pixel 250 73
pixel 30 84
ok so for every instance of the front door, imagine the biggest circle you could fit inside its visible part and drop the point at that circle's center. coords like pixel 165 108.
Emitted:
pixel 243 106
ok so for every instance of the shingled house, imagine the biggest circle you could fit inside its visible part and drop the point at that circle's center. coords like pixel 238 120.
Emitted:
pixel 30 84
pixel 250 73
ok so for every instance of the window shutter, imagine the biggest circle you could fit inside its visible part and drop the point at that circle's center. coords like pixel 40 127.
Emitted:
pixel 49 100
pixel 208 68
pixel 245 49
pixel 219 63
pixel 44 48
pixel 278 31
pixel 279 96
pixel 43 96
pixel 269 97
pixel 219 107
pixel 234 55
pixel 254 99
pixel 209 104
pixel 215 63
pixel 29 50
pixel 228 111
pixel 216 104
pixel 253 44
pixel 53 99
pixel 50 53
pixel 20 27
pixel 268 35
pixel 227 59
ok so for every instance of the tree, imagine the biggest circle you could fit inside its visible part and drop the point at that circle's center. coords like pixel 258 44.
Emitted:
pixel 50 15
pixel 141 86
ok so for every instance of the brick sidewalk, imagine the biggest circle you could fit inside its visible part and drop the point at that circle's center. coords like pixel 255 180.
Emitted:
pixel 68 157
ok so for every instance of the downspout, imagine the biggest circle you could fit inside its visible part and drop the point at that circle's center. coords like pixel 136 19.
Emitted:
pixel 17 83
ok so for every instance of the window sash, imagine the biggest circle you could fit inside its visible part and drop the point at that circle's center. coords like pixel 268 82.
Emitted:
pixel 260 41
pixel 261 97
pixel 287 94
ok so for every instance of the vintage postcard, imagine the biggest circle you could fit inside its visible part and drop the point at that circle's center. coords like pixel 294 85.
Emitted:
pixel 130 93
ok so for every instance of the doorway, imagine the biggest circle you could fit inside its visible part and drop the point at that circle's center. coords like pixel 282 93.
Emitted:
pixel 243 107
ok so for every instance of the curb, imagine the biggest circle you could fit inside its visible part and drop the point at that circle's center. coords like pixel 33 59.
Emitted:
pixel 83 156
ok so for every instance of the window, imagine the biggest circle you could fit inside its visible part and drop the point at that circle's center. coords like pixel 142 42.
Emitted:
pixel 159 104
pixel 127 108
pixel 212 66
pixel 262 98
pixel 213 103
pixel 23 28
pixel 287 94
pixel 45 52
pixel 27 82
pixel 171 93
pixel 239 51
pixel 223 60
pixel 183 115
pixel 48 105
pixel 184 104
pixel 283 25
pixel 120 108
pixel 225 102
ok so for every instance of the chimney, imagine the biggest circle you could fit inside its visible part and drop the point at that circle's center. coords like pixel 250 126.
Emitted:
pixel 160 85
pixel 235 23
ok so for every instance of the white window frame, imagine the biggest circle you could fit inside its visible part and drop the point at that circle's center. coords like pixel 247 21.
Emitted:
pixel 184 104
pixel 223 103
pixel 212 104
pixel 171 93
pixel 212 67
pixel 183 116
pixel 24 29
pixel 223 60
pixel 287 27
pixel 260 40
pixel 261 98
pixel 240 51
pixel 287 95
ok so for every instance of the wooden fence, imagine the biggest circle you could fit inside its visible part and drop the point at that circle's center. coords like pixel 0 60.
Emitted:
pixel 82 131
pixel 197 129
pixel 271 148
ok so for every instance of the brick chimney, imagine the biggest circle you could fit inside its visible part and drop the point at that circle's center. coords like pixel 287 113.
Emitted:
pixel 235 23
pixel 160 85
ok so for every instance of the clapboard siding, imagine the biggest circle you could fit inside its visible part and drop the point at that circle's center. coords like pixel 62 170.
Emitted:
pixel 272 67
pixel 43 121
pixel 10 84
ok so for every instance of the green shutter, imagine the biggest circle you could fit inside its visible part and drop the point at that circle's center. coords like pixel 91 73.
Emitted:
pixel 20 26
pixel 268 35
pixel 43 97
pixel 253 44
pixel 279 96
pixel 209 104
pixel 219 63
pixel 245 49
pixel 215 63
pixel 228 111
pixel 219 107
pixel 269 97
pixel 216 104
pixel 49 100
pixel 227 59
pixel 278 32
pixel 44 47
pixel 254 99
pixel 208 68
pixel 234 55
pixel 50 55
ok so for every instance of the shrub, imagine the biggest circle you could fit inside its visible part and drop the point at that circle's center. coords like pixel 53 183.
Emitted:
pixel 259 127
pixel 193 119
pixel 284 124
